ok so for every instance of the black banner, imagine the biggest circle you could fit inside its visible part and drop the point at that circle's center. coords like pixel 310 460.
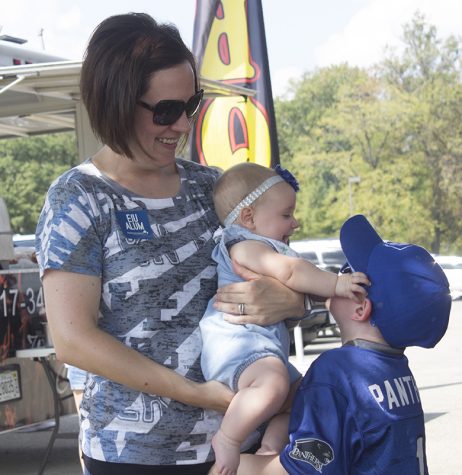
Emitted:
pixel 230 45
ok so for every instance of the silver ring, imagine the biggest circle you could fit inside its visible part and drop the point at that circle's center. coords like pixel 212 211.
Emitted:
pixel 241 308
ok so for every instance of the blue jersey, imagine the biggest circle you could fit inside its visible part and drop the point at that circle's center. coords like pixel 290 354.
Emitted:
pixel 357 411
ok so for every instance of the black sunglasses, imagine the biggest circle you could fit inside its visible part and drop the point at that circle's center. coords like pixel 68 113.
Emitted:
pixel 168 111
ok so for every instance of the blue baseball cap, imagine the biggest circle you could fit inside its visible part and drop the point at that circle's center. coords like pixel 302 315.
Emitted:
pixel 409 291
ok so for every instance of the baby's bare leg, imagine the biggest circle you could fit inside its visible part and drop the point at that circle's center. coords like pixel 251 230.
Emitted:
pixel 263 387
pixel 276 435
pixel 227 453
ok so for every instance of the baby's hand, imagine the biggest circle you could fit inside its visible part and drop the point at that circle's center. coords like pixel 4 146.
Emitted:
pixel 351 286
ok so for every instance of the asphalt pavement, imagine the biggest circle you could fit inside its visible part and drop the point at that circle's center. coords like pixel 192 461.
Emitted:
pixel 22 451
pixel 438 373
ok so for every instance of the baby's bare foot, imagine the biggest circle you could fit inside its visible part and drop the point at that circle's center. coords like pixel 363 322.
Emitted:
pixel 227 453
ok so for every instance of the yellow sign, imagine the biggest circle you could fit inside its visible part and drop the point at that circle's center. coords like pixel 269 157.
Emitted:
pixel 231 130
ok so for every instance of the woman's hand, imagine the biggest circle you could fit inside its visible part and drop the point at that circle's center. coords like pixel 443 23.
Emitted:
pixel 265 300
pixel 215 395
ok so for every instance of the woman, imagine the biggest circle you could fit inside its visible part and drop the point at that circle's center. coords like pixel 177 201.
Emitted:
pixel 125 241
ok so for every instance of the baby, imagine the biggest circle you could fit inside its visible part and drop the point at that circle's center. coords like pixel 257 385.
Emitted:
pixel 256 206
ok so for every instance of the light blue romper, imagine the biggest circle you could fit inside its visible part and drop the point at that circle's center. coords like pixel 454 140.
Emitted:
pixel 228 349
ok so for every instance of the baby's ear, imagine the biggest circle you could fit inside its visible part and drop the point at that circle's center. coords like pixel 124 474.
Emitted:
pixel 246 217
pixel 363 310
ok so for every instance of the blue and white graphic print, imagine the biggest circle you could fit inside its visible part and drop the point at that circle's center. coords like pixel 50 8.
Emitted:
pixel 153 257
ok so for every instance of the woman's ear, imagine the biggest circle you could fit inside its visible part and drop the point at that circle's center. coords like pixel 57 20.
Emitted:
pixel 362 310
pixel 246 217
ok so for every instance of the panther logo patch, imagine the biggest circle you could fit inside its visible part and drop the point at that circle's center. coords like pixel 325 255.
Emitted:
pixel 313 451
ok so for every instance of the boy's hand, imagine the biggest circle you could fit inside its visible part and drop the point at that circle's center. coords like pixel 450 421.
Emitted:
pixel 351 287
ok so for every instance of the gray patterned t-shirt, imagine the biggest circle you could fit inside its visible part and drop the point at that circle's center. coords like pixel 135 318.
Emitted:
pixel 153 258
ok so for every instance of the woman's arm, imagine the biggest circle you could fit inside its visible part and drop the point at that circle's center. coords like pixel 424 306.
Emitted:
pixel 266 300
pixel 72 305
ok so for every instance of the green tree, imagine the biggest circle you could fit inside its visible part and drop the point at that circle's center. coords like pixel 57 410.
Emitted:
pixel 397 127
pixel 314 95
pixel 316 148
pixel 427 77
pixel 27 168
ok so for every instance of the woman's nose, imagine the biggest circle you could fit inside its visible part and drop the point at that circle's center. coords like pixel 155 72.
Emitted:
pixel 183 124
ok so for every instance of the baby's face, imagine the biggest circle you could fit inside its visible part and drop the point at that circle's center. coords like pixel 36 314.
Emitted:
pixel 274 213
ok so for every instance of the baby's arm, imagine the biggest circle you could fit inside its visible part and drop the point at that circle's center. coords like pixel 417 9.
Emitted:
pixel 297 273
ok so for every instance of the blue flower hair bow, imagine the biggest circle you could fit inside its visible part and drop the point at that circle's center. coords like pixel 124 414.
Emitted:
pixel 287 176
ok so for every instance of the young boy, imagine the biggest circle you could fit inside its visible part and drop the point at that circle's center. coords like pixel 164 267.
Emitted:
pixel 358 410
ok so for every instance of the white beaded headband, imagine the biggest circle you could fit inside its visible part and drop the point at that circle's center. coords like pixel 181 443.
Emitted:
pixel 251 197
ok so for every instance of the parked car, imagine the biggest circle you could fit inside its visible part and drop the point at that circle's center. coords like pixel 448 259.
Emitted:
pixel 328 255
pixel 452 267
pixel 24 245
pixel 325 253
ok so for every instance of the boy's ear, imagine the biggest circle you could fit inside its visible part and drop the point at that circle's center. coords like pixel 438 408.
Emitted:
pixel 362 310
pixel 246 216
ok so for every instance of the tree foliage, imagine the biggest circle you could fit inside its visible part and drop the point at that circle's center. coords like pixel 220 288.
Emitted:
pixel 27 168
pixel 395 128
pixel 386 142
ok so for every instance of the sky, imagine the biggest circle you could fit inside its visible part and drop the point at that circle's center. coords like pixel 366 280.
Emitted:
pixel 301 35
